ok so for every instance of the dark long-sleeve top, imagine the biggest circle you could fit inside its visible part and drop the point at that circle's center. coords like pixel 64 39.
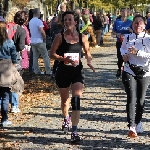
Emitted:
pixel 8 51
pixel 98 24
pixel 19 38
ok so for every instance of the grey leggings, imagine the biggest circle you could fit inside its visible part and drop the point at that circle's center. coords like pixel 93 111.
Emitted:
pixel 136 91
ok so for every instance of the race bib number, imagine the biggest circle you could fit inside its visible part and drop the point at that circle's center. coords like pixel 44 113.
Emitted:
pixel 73 56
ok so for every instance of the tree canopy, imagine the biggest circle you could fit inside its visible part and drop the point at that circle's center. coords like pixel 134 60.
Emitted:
pixel 105 4
pixel 20 3
pixel 93 4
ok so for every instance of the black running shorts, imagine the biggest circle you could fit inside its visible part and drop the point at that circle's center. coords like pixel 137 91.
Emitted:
pixel 67 75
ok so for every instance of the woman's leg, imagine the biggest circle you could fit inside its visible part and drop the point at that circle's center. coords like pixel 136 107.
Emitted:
pixel 77 89
pixel 65 100
pixel 14 102
pixel 131 90
pixel 142 86
pixel 64 94
pixel 4 95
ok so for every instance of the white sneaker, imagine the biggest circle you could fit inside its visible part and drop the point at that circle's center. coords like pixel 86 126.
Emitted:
pixel 6 123
pixel 15 109
pixel 42 72
pixel 132 132
pixel 139 128
pixel 97 46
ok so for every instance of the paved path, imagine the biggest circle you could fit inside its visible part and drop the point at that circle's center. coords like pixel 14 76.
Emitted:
pixel 103 119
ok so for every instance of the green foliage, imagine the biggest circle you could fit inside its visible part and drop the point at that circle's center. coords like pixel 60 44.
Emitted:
pixel 20 3
pixel 107 5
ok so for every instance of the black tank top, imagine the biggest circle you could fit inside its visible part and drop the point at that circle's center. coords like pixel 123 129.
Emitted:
pixel 70 48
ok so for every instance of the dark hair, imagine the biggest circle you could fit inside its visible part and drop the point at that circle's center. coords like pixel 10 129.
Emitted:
pixel 3 33
pixel 30 14
pixel 25 15
pixel 137 13
pixel 35 11
pixel 139 16
pixel 19 18
pixel 76 16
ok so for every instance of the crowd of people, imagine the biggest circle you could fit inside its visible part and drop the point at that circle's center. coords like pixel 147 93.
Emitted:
pixel 25 36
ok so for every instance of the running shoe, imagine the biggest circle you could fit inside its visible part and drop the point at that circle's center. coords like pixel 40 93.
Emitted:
pixel 139 128
pixel 75 137
pixel 66 125
pixel 15 109
pixel 6 123
pixel 132 132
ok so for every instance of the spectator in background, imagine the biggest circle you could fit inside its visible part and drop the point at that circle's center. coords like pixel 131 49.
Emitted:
pixel 114 17
pixel 81 22
pixel 106 22
pixel 137 13
pixel 31 53
pixel 7 52
pixel 57 28
pixel 98 25
pixel 94 16
pixel 44 23
pixel 91 16
pixel 38 39
pixel 22 38
pixel 103 29
pixel 129 14
pixel 11 27
pixel 109 22
pixel 24 15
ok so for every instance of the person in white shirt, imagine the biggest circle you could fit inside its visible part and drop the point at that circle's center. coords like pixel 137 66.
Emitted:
pixel 38 38
pixel 135 51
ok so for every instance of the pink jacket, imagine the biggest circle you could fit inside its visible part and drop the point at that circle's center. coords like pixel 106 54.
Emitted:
pixel 27 39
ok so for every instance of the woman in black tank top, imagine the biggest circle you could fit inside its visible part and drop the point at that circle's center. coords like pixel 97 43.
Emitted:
pixel 68 45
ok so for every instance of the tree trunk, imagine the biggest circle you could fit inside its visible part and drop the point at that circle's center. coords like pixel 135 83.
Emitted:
pixel 6 5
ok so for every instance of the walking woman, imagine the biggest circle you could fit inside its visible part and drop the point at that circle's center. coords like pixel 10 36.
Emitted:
pixel 120 28
pixel 69 71
pixel 135 51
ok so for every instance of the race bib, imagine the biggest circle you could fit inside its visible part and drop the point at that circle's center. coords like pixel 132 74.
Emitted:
pixel 73 56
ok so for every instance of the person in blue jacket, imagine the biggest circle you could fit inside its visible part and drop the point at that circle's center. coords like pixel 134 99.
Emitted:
pixel 120 28
pixel 7 51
